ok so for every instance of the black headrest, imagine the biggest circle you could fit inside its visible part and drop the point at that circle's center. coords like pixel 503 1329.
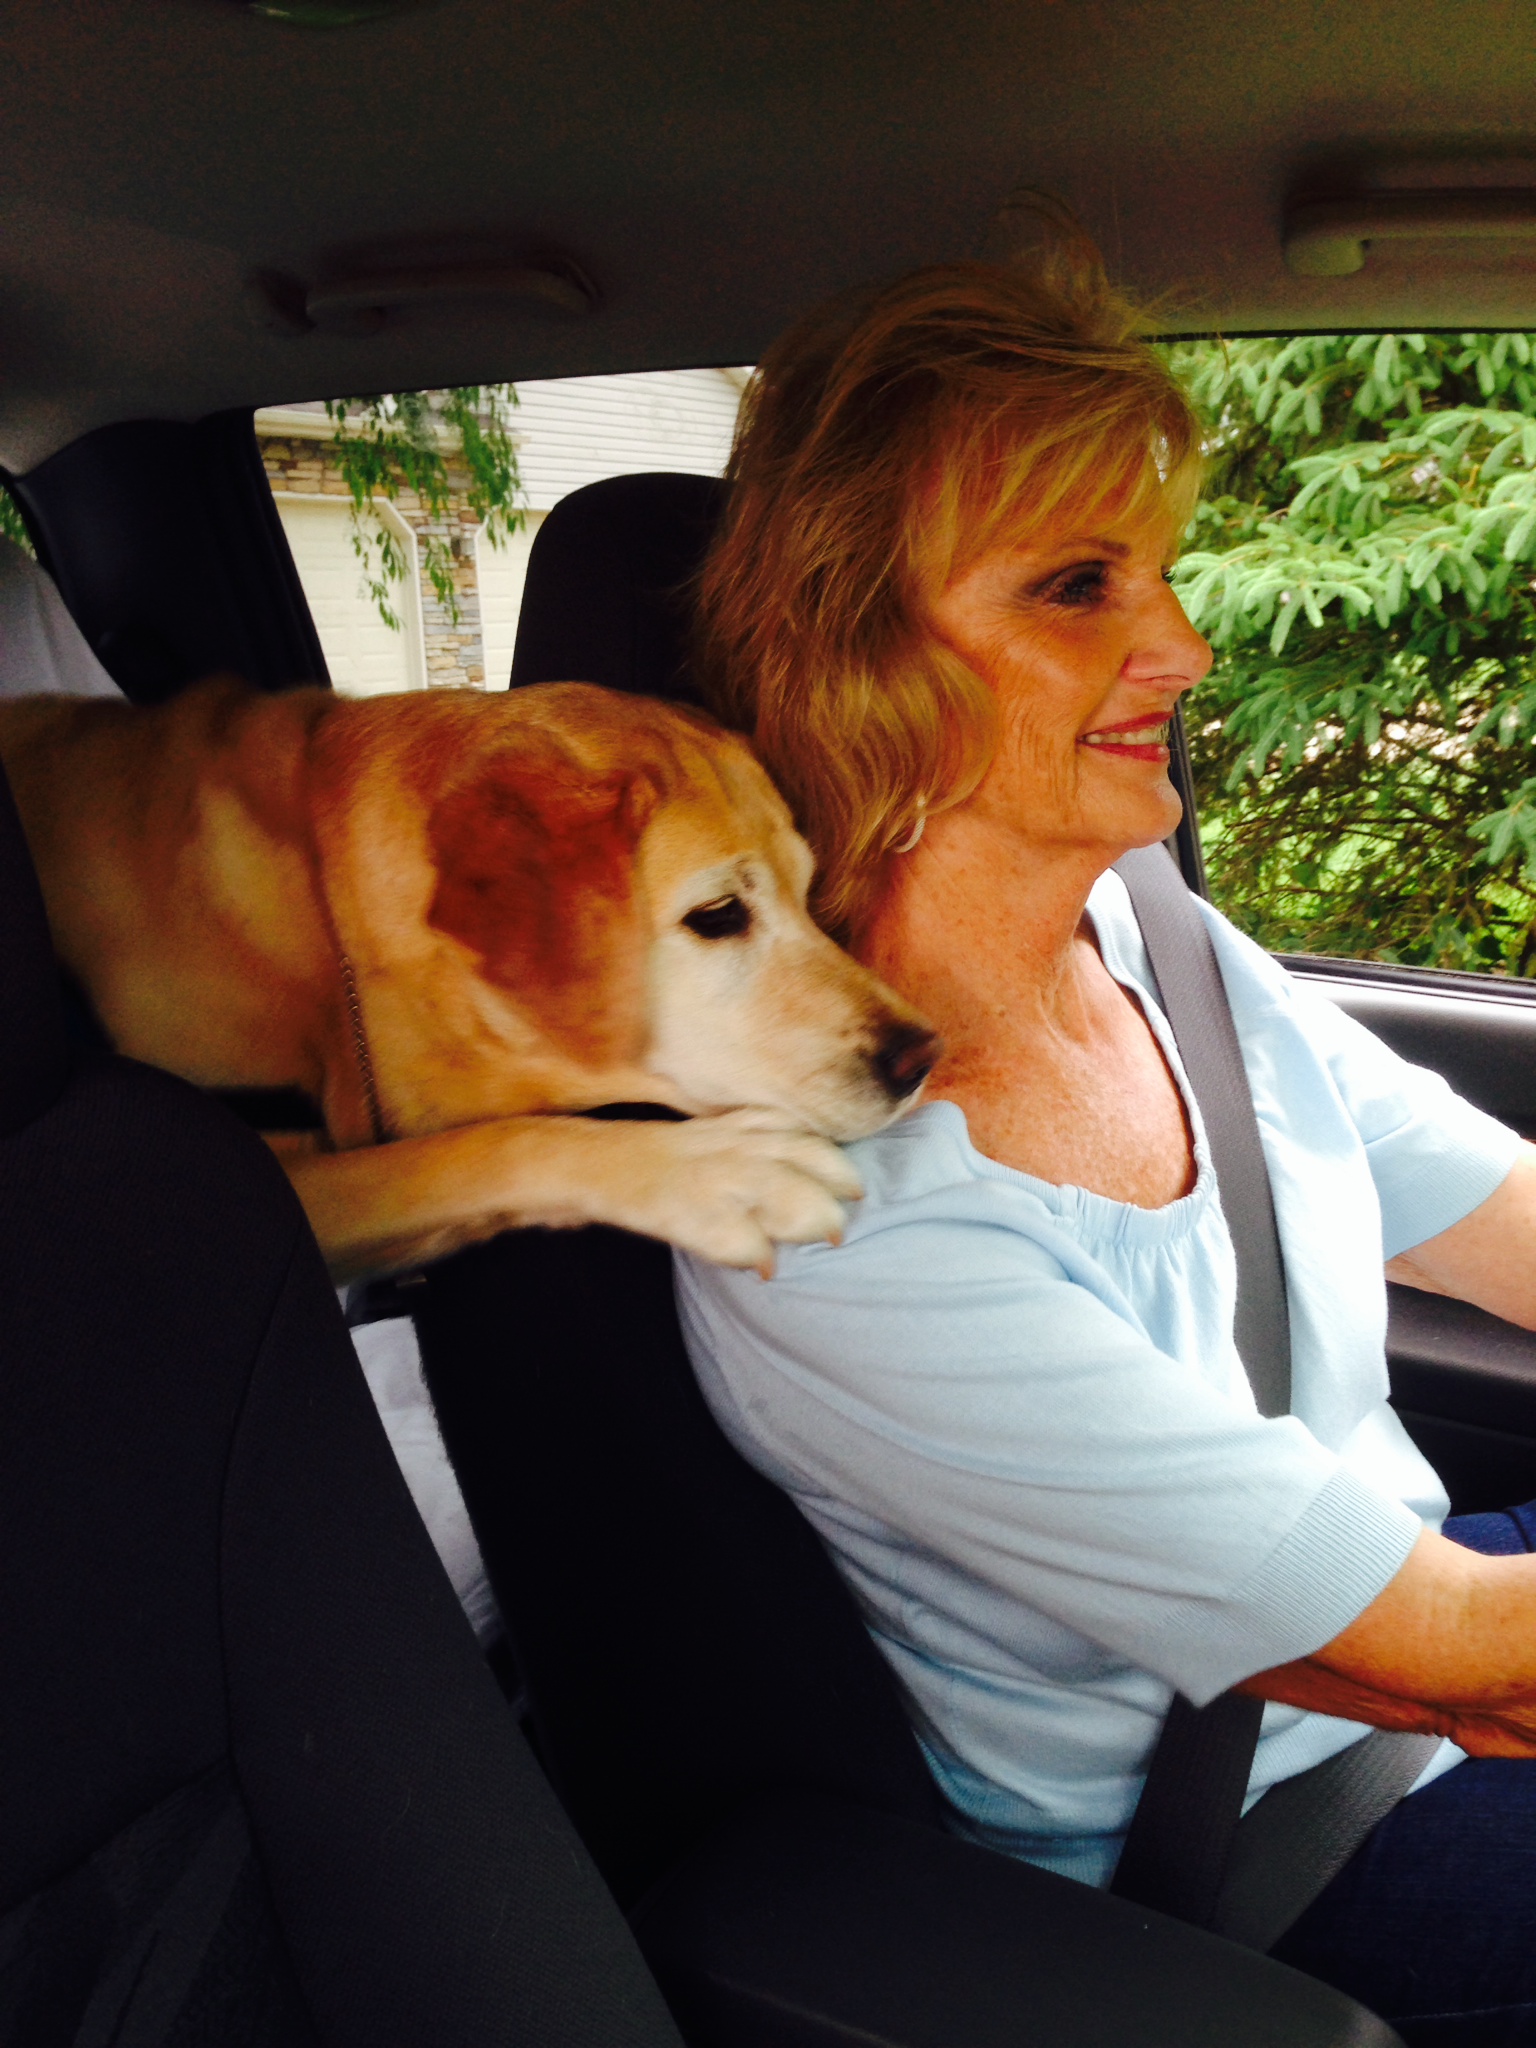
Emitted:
pixel 606 600
pixel 34 1051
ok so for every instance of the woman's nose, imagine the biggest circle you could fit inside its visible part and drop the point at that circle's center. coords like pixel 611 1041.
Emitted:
pixel 1171 650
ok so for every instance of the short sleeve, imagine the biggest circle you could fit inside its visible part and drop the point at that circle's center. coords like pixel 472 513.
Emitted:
pixel 956 1395
pixel 1433 1157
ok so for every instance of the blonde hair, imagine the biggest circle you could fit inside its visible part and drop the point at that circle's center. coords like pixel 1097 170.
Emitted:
pixel 885 442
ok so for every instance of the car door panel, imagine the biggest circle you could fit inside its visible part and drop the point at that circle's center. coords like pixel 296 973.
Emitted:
pixel 1464 1384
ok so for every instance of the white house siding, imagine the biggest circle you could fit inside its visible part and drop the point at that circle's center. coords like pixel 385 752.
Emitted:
pixel 569 431
pixel 572 431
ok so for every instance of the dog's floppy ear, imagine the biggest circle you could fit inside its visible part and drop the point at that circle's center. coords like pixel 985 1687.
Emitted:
pixel 535 874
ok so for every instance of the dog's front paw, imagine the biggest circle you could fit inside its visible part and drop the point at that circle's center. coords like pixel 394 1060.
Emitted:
pixel 730 1187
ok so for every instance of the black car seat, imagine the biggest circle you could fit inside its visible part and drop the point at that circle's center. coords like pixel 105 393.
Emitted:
pixel 702 1689
pixel 257 1787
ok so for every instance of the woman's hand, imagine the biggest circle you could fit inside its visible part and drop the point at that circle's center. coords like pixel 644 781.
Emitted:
pixel 1309 1684
pixel 1306 1684
pixel 1447 1648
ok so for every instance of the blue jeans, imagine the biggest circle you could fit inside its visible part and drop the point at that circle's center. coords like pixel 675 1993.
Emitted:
pixel 1432 1923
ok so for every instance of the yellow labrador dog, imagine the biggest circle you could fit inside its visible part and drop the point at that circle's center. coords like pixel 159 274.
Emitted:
pixel 448 917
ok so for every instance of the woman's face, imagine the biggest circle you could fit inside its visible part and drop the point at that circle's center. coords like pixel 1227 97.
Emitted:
pixel 1087 651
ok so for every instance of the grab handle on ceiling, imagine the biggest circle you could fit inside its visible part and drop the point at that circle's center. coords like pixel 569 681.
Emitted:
pixel 1330 237
pixel 362 305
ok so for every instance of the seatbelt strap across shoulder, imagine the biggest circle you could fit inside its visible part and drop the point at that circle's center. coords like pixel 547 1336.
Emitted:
pixel 1189 1852
pixel 1194 1000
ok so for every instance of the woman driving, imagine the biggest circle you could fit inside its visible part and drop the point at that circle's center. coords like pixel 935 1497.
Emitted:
pixel 1010 1400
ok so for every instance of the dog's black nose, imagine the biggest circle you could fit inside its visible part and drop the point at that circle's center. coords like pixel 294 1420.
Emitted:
pixel 905 1059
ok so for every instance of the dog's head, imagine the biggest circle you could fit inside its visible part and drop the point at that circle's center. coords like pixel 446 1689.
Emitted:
pixel 621 876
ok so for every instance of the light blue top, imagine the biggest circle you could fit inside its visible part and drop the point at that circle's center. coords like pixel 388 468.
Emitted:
pixel 1016 1416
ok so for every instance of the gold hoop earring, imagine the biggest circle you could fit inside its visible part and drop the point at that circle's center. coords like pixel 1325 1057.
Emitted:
pixel 916 833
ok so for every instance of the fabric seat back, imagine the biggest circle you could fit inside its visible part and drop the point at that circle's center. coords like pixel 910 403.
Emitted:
pixel 686 1642
pixel 220 1612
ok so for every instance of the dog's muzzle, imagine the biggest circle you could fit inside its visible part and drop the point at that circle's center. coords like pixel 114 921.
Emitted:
pixel 905 1059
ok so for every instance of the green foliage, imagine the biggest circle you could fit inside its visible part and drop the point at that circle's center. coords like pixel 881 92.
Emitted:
pixel 416 441
pixel 11 523
pixel 1365 566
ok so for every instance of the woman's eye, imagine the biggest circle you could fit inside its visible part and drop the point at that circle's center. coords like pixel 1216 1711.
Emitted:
pixel 1081 586
pixel 726 918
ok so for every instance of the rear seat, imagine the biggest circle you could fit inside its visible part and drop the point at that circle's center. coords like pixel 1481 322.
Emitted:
pixel 44 654
pixel 260 1789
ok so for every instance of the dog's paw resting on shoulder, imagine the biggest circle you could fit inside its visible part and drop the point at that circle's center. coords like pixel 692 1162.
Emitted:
pixel 727 1187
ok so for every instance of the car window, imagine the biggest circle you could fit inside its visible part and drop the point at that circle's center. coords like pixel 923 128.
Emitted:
pixel 1364 564
pixel 410 517
pixel 11 527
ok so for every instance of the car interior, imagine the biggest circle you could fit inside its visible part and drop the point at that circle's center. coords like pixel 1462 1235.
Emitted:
pixel 260 1787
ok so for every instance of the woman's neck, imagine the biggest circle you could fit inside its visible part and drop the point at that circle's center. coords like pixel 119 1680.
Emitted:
pixel 979 925
pixel 1052 1062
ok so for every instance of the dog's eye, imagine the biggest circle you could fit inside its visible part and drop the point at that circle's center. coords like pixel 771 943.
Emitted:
pixel 726 919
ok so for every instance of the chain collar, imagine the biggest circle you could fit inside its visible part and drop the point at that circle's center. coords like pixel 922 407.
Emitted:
pixel 360 1049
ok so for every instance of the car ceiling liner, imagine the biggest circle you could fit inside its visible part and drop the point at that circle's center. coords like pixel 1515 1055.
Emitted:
pixel 327 13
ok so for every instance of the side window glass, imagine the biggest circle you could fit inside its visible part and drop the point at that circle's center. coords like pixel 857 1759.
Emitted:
pixel 11 527
pixel 411 516
pixel 1364 565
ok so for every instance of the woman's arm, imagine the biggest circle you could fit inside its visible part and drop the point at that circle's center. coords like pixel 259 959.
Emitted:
pixel 1447 1648
pixel 1489 1257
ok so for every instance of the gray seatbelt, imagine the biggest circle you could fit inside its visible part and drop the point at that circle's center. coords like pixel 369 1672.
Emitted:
pixel 1301 1834
pixel 1189 1850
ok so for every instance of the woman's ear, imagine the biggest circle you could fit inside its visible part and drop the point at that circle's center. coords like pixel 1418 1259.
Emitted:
pixel 535 866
